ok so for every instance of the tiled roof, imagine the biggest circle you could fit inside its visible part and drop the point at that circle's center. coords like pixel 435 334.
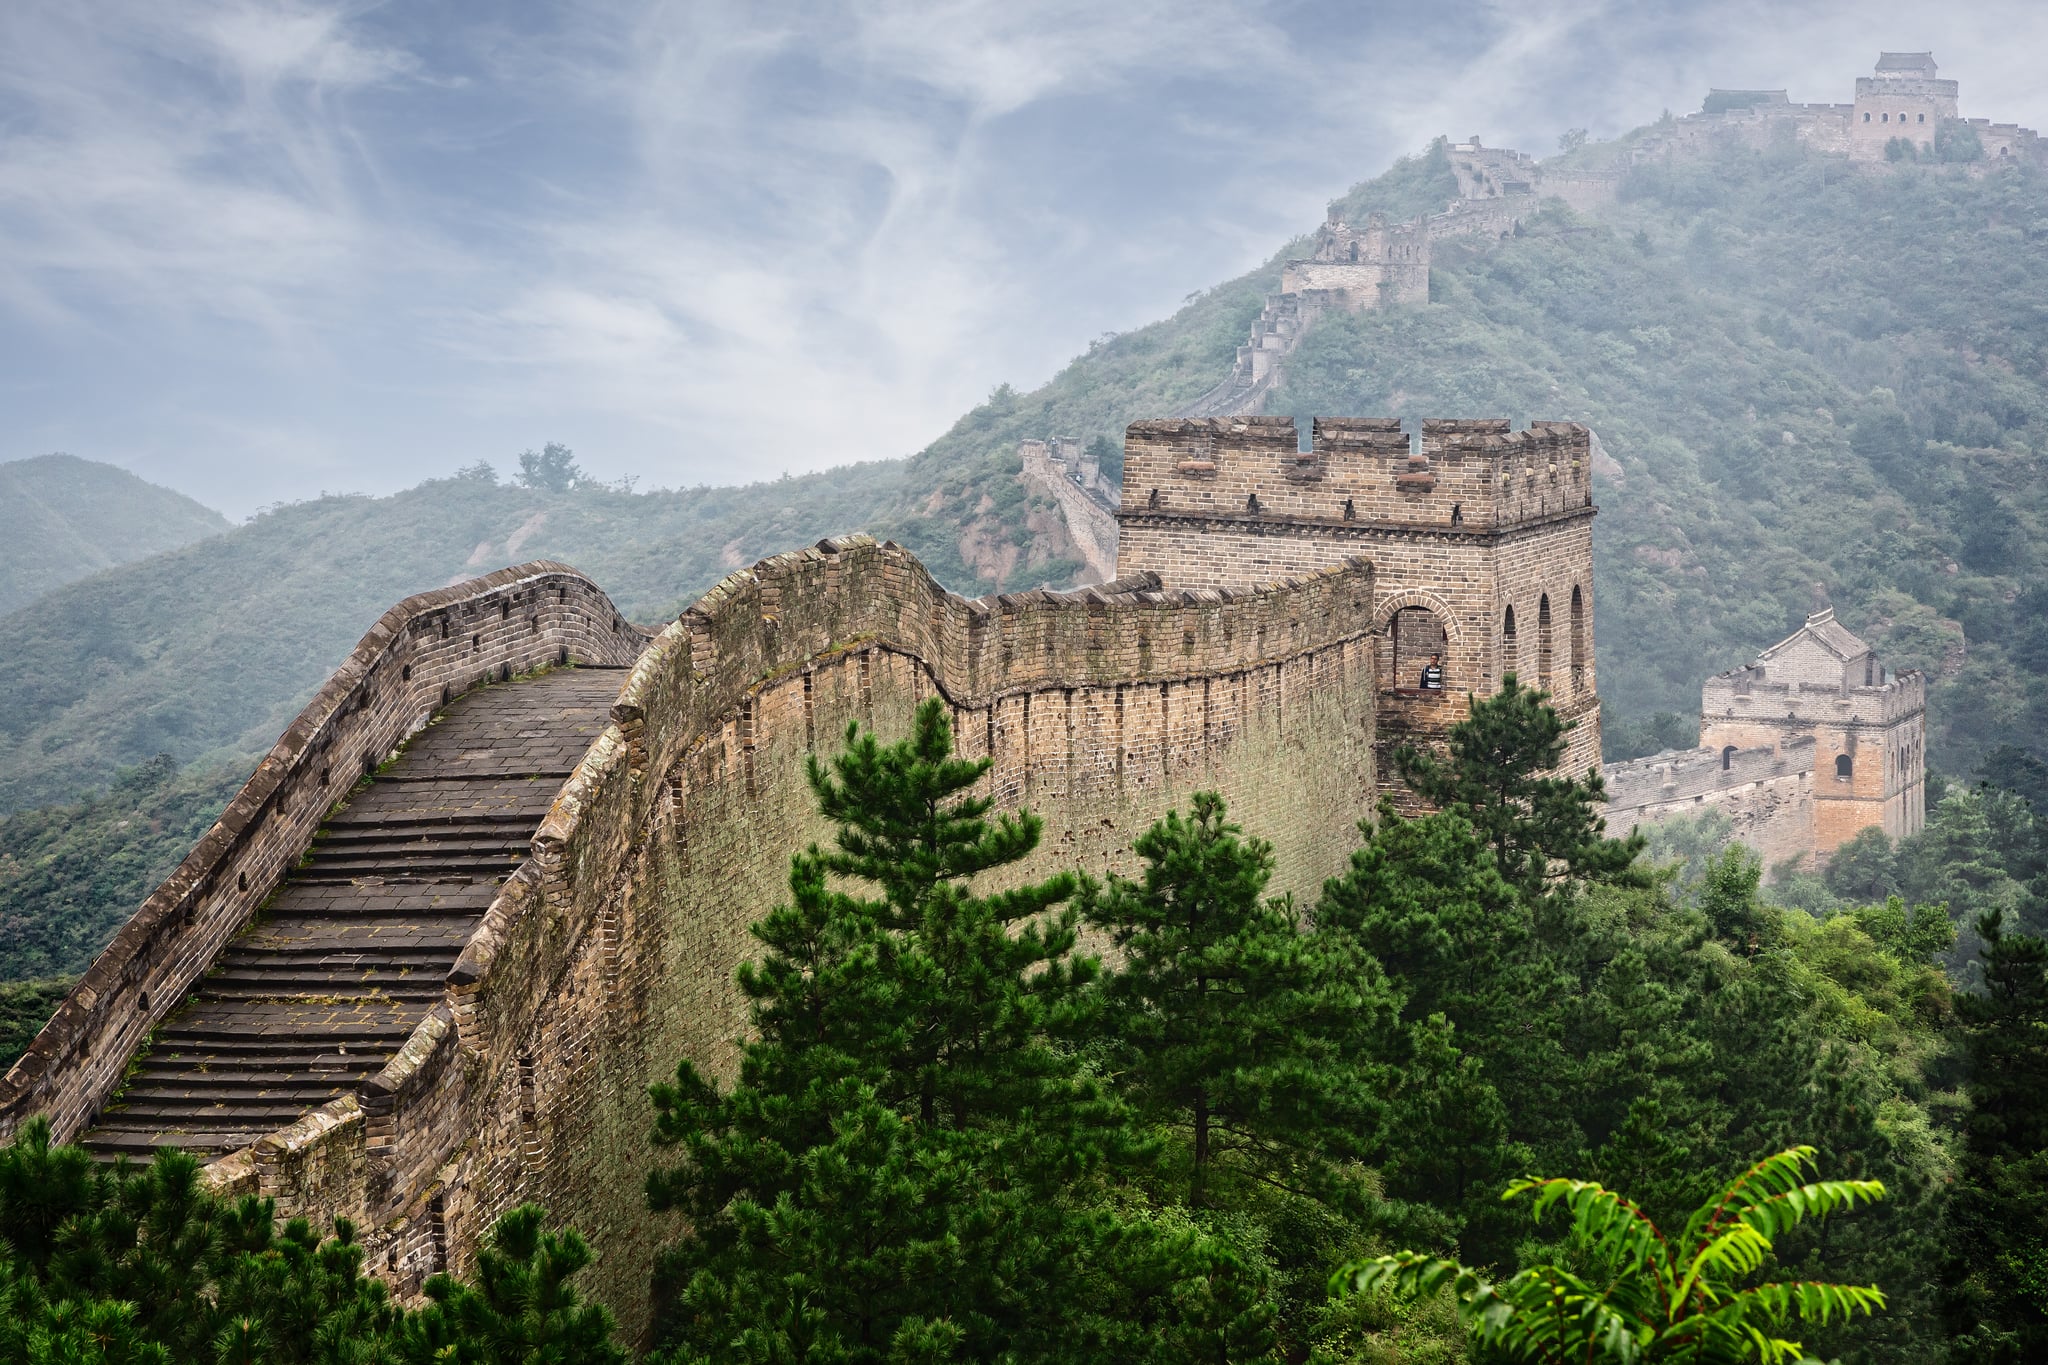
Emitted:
pixel 1832 634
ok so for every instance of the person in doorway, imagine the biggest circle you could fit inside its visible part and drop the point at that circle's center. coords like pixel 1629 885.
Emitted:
pixel 1433 674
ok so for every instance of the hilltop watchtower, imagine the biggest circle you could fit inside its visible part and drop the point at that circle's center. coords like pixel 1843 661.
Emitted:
pixel 1902 99
pixel 1481 540
pixel 1867 726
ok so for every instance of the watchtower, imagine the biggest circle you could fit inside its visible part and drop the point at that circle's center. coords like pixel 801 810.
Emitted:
pixel 1481 540
pixel 1902 99
pixel 1867 725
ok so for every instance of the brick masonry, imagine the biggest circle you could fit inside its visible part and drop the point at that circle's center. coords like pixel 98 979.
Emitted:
pixel 417 657
pixel 1805 747
pixel 1253 659
pixel 1481 539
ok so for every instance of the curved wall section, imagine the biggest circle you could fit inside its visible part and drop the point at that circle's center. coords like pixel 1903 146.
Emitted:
pixel 414 660
pixel 611 953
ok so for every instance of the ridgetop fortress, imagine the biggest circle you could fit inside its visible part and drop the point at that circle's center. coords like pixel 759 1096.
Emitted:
pixel 1481 541
pixel 1903 101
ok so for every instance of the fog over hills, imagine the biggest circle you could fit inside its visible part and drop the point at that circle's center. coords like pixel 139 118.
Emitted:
pixel 63 518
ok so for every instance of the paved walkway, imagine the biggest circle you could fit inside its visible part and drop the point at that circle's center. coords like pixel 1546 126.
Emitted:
pixel 351 954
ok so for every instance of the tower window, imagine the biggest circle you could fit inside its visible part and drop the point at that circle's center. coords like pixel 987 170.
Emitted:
pixel 1510 653
pixel 1845 767
pixel 1578 640
pixel 1727 758
pixel 1420 645
pixel 1923 118
pixel 1543 654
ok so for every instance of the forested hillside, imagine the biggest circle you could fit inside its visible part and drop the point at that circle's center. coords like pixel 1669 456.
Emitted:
pixel 63 518
pixel 1812 382
pixel 1816 384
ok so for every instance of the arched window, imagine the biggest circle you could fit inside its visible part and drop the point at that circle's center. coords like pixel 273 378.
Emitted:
pixel 1419 641
pixel 1510 648
pixel 1923 118
pixel 1845 767
pixel 1727 758
pixel 1578 643
pixel 1866 116
pixel 1543 642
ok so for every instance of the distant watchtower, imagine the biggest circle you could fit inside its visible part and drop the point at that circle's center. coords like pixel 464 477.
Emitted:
pixel 1481 540
pixel 1902 99
pixel 1867 724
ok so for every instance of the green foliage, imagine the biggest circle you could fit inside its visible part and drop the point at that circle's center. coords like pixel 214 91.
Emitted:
pixel 120 1264
pixel 25 1006
pixel 551 469
pixel 1998 1297
pixel 1108 453
pixel 521 1309
pixel 72 875
pixel 902 1169
pixel 63 519
pixel 1641 736
pixel 1230 1024
pixel 1632 1292
pixel 1498 775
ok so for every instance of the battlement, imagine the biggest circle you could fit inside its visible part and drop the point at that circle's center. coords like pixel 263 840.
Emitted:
pixel 1684 776
pixel 1749 692
pixel 1464 477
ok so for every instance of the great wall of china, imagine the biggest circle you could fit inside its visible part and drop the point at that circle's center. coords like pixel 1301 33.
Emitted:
pixel 499 874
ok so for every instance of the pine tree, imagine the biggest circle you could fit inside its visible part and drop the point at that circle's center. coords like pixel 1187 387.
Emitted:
pixel 900 1170
pixel 1999 1213
pixel 1232 1024
pixel 121 1264
pixel 522 1307
pixel 1501 774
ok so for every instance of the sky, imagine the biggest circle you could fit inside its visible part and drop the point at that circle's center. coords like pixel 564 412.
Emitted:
pixel 258 250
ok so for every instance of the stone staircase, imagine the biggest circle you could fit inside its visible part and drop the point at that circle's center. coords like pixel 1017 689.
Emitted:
pixel 1281 325
pixel 354 949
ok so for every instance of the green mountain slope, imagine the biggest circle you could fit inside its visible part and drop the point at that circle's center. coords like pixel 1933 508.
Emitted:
pixel 1813 380
pixel 1811 392
pixel 207 652
pixel 63 518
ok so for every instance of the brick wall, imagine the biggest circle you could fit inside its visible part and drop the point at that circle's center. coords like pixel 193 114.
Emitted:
pixel 1475 521
pixel 612 953
pixel 419 654
pixel 1767 793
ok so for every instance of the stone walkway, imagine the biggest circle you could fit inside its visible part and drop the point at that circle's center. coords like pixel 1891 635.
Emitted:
pixel 353 951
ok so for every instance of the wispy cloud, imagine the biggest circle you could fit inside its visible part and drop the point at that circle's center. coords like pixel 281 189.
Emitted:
pixel 259 247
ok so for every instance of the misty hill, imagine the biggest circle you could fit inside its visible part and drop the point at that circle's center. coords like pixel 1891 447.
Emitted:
pixel 1812 380
pixel 63 519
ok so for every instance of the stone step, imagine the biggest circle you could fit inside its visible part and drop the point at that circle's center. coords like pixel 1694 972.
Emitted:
pixel 240 1110
pixel 115 1144
pixel 340 955
pixel 340 870
pixel 252 1073
pixel 355 949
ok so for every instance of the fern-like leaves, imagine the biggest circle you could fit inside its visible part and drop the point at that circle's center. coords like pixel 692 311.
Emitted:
pixel 1655 1298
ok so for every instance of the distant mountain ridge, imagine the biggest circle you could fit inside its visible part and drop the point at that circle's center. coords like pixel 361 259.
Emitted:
pixel 1815 382
pixel 63 519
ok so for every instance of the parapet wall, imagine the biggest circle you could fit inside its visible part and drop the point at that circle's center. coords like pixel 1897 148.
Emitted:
pixel 611 954
pixel 1474 476
pixel 419 654
pixel 1767 793
pixel 1736 695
